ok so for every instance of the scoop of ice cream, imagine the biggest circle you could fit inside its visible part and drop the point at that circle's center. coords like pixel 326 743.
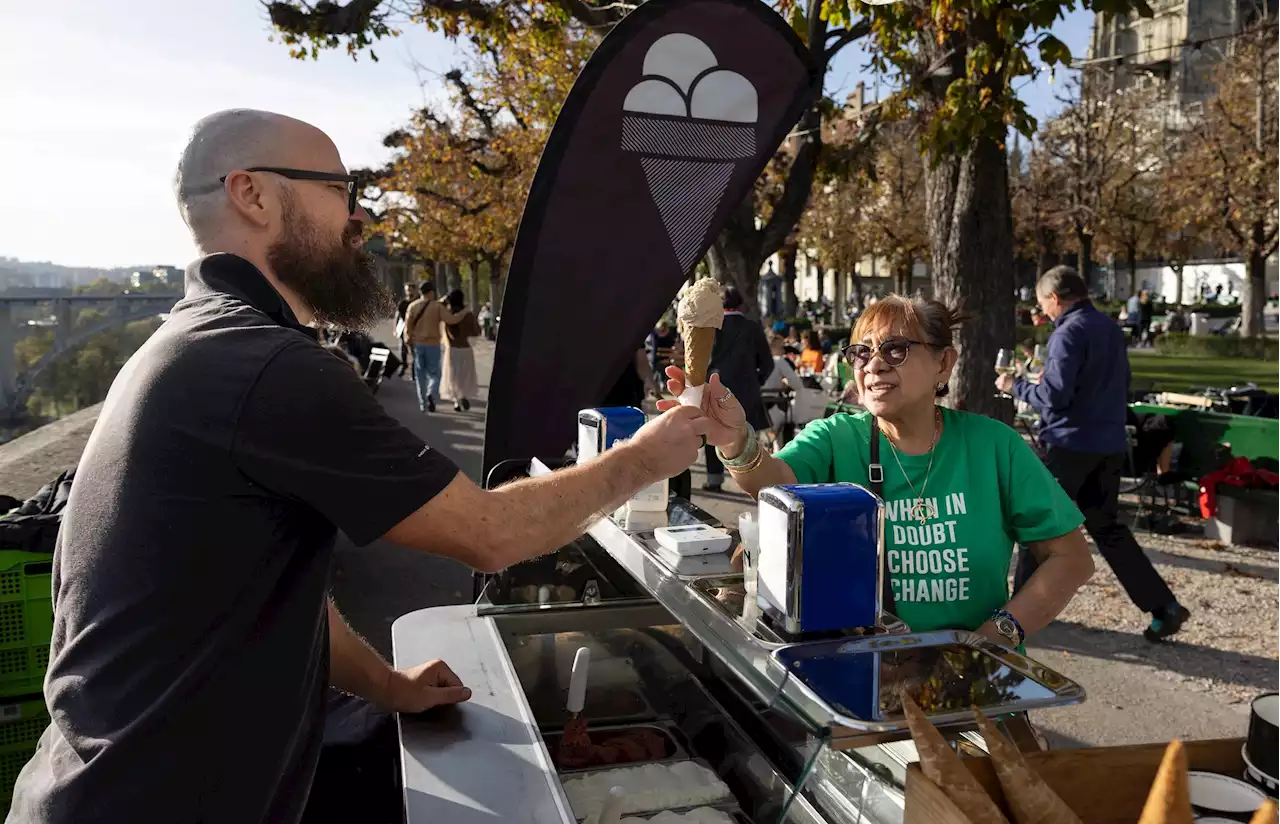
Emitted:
pixel 702 306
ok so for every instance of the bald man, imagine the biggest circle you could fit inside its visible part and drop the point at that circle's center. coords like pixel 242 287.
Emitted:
pixel 193 641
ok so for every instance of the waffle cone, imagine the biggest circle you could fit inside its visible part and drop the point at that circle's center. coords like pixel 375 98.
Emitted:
pixel 942 766
pixel 697 353
pixel 1030 799
pixel 1169 801
pixel 1266 814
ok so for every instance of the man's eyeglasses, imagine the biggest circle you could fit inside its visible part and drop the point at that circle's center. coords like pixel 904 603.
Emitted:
pixel 893 352
pixel 304 174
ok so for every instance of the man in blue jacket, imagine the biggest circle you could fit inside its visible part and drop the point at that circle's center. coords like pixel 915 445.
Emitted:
pixel 1081 398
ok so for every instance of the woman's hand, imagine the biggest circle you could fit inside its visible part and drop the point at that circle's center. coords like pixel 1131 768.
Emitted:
pixel 727 418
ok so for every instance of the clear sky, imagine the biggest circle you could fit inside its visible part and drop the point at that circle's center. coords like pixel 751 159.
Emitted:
pixel 98 97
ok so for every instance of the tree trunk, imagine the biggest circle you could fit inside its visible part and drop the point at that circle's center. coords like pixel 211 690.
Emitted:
pixel 971 234
pixel 840 300
pixel 790 308
pixel 473 285
pixel 1177 279
pixel 735 257
pixel 1131 258
pixel 731 265
pixel 1047 259
pixel 902 276
pixel 822 282
pixel 859 299
pixel 1084 262
pixel 1255 290
pixel 495 283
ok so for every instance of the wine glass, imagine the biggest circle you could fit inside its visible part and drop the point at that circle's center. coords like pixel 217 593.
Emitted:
pixel 1004 366
pixel 1035 364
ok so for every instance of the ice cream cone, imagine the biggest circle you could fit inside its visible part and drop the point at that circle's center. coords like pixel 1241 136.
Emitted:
pixel 942 766
pixel 1030 799
pixel 697 348
pixel 700 313
pixel 1266 814
pixel 1169 801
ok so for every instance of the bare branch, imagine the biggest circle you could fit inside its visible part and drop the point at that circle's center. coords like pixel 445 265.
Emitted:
pixel 843 37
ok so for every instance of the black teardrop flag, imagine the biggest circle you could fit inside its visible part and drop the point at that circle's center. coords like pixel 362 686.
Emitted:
pixel 664 133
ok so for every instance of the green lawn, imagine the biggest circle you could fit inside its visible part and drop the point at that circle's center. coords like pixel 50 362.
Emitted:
pixel 1175 374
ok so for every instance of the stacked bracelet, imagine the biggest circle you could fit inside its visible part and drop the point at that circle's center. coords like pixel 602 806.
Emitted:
pixel 749 459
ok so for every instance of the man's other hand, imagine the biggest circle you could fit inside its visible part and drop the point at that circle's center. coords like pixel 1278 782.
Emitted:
pixel 1004 383
pixel 420 688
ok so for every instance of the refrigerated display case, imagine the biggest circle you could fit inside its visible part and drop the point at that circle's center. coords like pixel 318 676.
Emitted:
pixel 727 715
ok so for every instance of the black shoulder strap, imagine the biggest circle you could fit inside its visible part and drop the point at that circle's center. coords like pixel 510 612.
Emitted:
pixel 875 476
pixel 875 470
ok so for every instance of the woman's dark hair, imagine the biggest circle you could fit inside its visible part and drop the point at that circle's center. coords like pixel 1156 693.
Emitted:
pixel 732 298
pixel 455 300
pixel 812 340
pixel 934 321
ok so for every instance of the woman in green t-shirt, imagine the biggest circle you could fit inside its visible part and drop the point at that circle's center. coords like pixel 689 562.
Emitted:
pixel 959 489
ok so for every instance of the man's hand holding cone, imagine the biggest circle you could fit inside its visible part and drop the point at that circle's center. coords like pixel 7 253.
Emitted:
pixel 726 420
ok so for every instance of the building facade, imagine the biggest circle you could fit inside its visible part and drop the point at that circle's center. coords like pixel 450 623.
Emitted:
pixel 1178 47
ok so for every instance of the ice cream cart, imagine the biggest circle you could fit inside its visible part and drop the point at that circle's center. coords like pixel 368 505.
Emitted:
pixel 697 714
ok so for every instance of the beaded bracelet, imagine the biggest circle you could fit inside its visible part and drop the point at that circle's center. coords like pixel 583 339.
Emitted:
pixel 749 453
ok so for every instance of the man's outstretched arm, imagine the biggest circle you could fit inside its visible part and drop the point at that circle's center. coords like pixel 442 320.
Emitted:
pixel 491 530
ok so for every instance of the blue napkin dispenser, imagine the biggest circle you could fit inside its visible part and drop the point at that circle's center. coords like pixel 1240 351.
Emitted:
pixel 821 550
pixel 599 429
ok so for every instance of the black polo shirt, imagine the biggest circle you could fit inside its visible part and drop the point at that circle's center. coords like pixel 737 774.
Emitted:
pixel 190 644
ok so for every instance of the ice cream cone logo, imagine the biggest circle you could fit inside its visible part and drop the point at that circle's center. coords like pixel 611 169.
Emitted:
pixel 691 123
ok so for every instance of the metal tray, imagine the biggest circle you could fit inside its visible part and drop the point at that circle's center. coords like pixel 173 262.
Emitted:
pixel 764 632
pixel 947 673
pixel 677 744
pixel 734 812
pixel 651 812
pixel 579 573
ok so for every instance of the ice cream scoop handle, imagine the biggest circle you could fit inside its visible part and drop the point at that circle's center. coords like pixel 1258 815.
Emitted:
pixel 611 812
pixel 692 395
pixel 578 680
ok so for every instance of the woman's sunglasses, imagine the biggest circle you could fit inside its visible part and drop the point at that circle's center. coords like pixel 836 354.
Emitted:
pixel 893 352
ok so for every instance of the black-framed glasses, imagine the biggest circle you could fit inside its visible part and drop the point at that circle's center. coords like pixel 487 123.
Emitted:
pixel 893 352
pixel 306 174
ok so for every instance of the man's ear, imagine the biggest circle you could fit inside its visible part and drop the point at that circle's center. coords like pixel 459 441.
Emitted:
pixel 247 197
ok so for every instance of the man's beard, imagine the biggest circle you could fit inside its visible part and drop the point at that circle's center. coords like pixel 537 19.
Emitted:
pixel 336 279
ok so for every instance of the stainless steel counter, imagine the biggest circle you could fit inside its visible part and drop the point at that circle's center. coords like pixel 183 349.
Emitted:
pixel 482 762
pixel 667 652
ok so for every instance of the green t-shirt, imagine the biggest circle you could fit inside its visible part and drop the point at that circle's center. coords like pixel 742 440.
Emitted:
pixel 988 489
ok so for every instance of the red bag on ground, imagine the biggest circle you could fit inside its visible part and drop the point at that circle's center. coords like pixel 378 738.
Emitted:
pixel 1237 472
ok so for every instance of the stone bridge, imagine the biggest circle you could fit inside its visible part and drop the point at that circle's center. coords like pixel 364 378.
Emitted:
pixel 16 386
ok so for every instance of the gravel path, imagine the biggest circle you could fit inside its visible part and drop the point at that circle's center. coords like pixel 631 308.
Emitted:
pixel 1229 647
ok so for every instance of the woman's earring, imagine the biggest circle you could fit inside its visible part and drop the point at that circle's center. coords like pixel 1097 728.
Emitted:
pixel 940 386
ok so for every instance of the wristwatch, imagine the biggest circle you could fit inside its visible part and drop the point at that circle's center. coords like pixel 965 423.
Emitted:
pixel 1008 627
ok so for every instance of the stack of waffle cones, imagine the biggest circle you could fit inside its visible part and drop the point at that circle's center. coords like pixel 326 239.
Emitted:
pixel 1169 801
pixel 1030 799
